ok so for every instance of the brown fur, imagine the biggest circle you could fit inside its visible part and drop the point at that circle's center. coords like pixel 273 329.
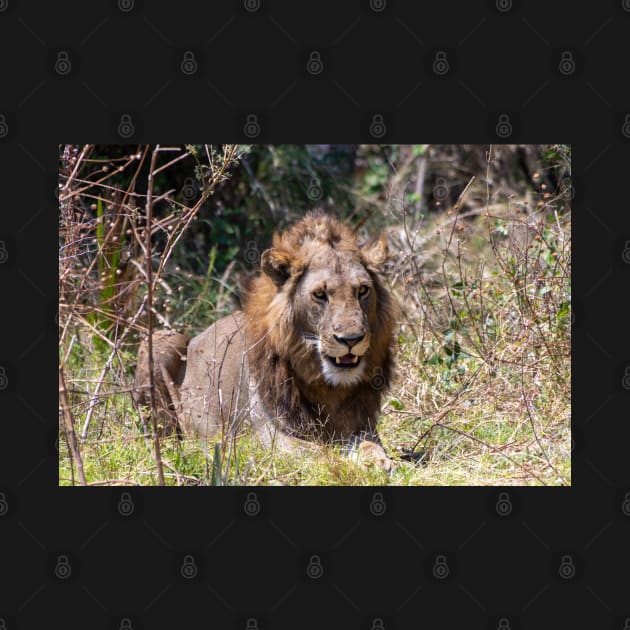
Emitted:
pixel 169 355
pixel 287 371
pixel 268 364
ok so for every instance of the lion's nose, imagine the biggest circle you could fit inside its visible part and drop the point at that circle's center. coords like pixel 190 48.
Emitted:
pixel 349 340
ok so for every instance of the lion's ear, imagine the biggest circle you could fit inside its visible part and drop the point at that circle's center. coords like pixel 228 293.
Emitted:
pixel 277 265
pixel 376 253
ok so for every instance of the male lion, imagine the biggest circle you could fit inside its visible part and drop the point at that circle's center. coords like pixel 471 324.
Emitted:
pixel 306 361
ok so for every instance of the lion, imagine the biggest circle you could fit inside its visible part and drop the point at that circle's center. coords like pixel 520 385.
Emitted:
pixel 307 359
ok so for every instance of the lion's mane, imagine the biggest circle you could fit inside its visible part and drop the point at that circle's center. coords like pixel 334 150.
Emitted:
pixel 286 368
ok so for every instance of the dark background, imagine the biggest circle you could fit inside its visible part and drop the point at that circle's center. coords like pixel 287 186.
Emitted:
pixel 505 58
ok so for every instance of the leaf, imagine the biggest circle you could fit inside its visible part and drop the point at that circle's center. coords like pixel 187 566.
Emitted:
pixel 564 310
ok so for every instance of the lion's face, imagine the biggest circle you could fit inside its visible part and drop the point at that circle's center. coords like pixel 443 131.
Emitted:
pixel 332 304
pixel 319 327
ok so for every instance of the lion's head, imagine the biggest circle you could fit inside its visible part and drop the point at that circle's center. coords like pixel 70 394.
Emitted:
pixel 320 319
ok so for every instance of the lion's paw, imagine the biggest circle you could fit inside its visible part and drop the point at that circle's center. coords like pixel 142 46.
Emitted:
pixel 373 454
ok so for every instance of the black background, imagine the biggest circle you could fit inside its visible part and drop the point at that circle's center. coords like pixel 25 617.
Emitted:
pixel 504 58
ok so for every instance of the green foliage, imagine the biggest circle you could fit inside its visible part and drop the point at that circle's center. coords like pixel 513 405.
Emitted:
pixel 484 344
pixel 557 156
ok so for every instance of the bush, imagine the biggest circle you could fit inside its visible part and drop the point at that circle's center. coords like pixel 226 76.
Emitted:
pixel 481 257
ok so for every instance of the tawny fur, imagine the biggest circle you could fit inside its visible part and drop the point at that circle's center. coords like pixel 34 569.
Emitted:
pixel 270 352
pixel 169 355
pixel 287 370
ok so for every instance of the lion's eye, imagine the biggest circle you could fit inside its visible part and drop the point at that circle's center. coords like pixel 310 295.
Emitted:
pixel 364 290
pixel 320 295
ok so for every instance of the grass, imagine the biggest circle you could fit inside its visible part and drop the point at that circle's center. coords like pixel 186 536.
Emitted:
pixel 484 394
pixel 483 363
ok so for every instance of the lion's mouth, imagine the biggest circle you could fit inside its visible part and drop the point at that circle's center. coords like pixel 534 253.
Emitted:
pixel 346 361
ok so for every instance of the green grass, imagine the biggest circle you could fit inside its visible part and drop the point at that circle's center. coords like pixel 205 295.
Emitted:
pixel 485 440
pixel 483 364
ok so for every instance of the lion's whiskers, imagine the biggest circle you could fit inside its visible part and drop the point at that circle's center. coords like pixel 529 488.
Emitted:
pixel 312 340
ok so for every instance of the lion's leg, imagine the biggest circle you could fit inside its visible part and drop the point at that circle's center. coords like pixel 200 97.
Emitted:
pixel 169 355
pixel 364 447
pixel 267 430
pixel 272 437
pixel 269 433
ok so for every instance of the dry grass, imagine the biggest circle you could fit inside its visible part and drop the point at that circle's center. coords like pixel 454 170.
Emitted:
pixel 483 386
pixel 484 361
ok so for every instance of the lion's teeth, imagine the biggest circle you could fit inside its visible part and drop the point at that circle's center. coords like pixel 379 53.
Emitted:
pixel 355 359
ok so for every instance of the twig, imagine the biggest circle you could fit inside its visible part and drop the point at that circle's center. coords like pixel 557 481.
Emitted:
pixel 449 407
pixel 156 439
pixel 77 165
pixel 173 161
pixel 457 207
pixel 70 434
pixel 533 424
pixel 494 449
pixel 420 177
